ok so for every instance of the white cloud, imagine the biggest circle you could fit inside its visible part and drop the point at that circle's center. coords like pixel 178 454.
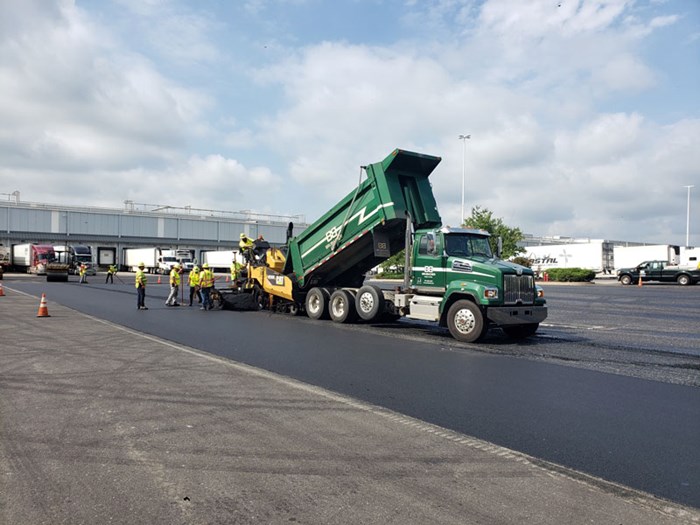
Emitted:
pixel 559 141
pixel 71 98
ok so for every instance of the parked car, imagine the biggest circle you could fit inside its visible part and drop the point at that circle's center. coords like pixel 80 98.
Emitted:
pixel 659 271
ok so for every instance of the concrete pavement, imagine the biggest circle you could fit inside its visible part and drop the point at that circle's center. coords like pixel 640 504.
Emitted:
pixel 101 424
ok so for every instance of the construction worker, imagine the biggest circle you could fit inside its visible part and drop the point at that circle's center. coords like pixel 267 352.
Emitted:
pixel 175 272
pixel 260 247
pixel 246 246
pixel 206 283
pixel 111 271
pixel 141 287
pixel 194 284
pixel 235 272
pixel 83 273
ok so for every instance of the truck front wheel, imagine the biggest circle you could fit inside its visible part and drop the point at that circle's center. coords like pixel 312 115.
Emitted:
pixel 342 307
pixel 465 321
pixel 317 303
pixel 626 279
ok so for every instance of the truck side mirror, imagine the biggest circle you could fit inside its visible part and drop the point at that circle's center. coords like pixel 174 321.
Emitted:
pixel 499 247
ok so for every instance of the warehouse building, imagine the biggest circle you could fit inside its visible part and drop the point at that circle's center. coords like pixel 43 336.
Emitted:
pixel 108 231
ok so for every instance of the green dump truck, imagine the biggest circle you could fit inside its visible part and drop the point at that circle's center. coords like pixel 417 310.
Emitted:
pixel 452 277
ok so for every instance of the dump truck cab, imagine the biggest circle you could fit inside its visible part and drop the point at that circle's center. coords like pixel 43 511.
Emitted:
pixel 458 281
pixel 445 254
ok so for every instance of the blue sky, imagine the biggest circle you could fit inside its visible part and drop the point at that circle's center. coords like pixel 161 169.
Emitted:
pixel 584 115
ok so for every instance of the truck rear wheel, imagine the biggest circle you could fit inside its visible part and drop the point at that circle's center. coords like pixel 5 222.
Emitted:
pixel 342 307
pixel 317 303
pixel 465 321
pixel 683 280
pixel 369 302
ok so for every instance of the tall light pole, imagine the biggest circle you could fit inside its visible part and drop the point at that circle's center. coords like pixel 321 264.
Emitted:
pixel 464 139
pixel 687 219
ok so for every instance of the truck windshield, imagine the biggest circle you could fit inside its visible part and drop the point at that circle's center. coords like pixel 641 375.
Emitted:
pixel 461 245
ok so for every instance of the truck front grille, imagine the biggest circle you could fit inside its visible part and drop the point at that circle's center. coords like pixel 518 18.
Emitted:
pixel 518 289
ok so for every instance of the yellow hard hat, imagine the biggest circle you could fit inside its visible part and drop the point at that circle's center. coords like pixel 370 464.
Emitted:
pixel 176 265
pixel 242 235
pixel 141 265
pixel 205 265
pixel 196 268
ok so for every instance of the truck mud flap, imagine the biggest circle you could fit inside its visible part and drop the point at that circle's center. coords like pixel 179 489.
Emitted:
pixel 513 315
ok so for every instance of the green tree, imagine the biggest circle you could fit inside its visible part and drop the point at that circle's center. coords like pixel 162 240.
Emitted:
pixel 394 265
pixel 483 219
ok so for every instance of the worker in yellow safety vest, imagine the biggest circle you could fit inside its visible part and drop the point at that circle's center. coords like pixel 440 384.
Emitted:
pixel 111 272
pixel 174 285
pixel 140 283
pixel 246 247
pixel 206 283
pixel 194 284
pixel 83 273
pixel 235 272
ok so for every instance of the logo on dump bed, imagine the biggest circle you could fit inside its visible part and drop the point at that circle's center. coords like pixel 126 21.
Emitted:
pixel 336 231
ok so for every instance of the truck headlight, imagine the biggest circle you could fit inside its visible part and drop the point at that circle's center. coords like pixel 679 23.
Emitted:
pixel 491 293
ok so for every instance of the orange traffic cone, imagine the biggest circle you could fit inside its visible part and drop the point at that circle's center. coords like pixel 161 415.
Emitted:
pixel 640 281
pixel 43 309
pixel 227 278
pixel 2 291
pixel 159 279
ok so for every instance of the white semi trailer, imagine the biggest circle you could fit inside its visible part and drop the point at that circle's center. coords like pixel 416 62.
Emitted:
pixel 156 260
pixel 589 256
pixel 220 260
pixel 148 256
pixel 630 256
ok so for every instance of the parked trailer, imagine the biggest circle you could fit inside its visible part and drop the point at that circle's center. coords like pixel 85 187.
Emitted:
pixel 453 279
pixel 629 256
pixel 32 258
pixel 220 260
pixel 690 256
pixel 132 257
pixel 589 256
pixel 156 260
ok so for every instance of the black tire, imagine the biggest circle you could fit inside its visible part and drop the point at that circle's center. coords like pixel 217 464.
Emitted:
pixel 626 279
pixel 317 303
pixel 465 321
pixel 369 302
pixel 217 301
pixel 294 309
pixel 260 297
pixel 683 280
pixel 342 307
pixel 520 331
